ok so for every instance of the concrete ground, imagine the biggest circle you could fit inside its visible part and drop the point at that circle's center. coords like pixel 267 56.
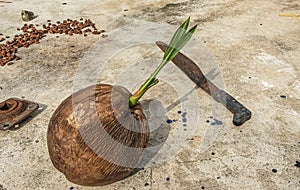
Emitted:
pixel 254 47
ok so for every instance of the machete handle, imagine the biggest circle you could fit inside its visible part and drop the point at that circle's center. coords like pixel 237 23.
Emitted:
pixel 240 113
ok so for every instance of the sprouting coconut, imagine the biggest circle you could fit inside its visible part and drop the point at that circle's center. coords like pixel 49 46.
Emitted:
pixel 97 136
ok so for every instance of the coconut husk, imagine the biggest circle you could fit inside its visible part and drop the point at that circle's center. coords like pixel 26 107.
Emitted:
pixel 94 138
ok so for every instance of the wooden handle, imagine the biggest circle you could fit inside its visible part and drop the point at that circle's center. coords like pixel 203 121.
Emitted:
pixel 240 113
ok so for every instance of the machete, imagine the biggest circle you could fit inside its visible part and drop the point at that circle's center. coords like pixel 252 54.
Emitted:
pixel 240 113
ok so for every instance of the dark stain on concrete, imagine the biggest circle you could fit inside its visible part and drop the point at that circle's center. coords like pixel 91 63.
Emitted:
pixel 172 11
pixel 167 14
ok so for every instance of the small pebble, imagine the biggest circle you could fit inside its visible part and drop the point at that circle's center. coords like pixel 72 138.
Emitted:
pixel 283 96
pixel 184 114
pixel 207 121
pixel 71 188
pixel 184 120
pixel 167 179
pixel 184 125
pixel 64 3
pixel 147 184
pixel 213 153
pixel 202 187
pixel 36 141
pixel 179 112
pixel 274 170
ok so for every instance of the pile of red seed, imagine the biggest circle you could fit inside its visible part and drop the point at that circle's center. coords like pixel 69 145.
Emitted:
pixel 32 35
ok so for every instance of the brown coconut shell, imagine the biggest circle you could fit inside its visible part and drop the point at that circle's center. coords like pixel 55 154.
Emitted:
pixel 94 138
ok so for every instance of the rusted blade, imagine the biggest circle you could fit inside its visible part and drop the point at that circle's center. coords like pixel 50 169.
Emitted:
pixel 191 69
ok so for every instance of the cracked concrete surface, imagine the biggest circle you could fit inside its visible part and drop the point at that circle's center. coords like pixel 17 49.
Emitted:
pixel 256 50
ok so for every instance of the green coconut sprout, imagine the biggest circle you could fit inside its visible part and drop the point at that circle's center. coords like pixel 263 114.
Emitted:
pixel 180 38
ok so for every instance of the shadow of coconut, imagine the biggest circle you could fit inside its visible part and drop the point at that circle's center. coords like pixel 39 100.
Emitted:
pixel 159 128
pixel 159 131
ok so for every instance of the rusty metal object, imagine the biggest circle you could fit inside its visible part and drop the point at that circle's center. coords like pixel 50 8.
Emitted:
pixel 14 110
